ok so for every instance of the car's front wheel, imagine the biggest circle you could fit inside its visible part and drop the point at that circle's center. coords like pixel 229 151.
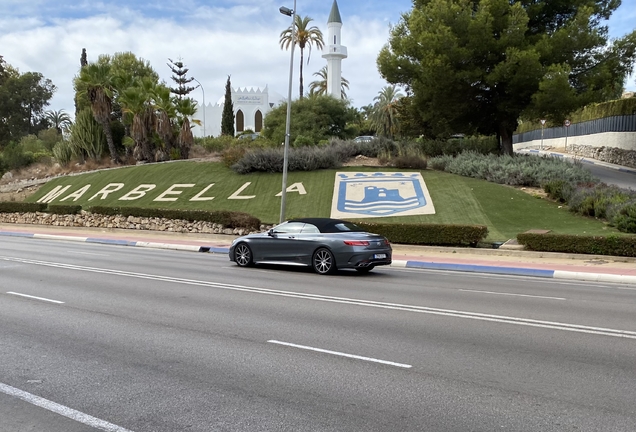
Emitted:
pixel 323 261
pixel 243 255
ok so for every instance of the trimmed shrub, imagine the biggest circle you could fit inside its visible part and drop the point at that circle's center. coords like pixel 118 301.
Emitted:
pixel 609 245
pixel 21 207
pixel 428 234
pixel 63 209
pixel 409 162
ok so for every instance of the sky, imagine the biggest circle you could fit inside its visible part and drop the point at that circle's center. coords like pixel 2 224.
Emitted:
pixel 213 38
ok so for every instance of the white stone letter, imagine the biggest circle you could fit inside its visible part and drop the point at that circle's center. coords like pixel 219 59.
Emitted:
pixel 200 197
pixel 296 187
pixel 171 191
pixel 138 192
pixel 236 195
pixel 107 190
pixel 56 192
pixel 77 194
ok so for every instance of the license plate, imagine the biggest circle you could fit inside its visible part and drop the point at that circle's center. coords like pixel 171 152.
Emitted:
pixel 379 256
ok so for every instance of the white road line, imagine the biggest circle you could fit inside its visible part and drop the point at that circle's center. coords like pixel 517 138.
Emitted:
pixel 34 297
pixel 61 409
pixel 341 354
pixel 514 295
pixel 578 328
pixel 86 253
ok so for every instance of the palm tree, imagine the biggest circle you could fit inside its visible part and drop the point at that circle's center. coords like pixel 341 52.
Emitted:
pixel 136 101
pixel 319 87
pixel 58 119
pixel 305 37
pixel 186 108
pixel 166 111
pixel 385 111
pixel 96 83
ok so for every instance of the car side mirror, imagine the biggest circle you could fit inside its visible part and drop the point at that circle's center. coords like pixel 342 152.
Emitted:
pixel 270 232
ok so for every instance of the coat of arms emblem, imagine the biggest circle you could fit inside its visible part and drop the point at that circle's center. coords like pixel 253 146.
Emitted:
pixel 380 194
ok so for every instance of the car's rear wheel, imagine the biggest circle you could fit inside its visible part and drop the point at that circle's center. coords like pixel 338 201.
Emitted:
pixel 243 255
pixel 366 269
pixel 323 261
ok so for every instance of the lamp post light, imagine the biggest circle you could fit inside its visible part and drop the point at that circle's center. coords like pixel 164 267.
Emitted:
pixel 201 85
pixel 283 201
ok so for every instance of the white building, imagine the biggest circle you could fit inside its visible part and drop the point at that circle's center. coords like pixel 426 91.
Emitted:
pixel 334 52
pixel 252 104
pixel 250 107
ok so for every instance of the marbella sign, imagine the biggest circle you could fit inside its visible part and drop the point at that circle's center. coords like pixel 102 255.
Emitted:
pixel 355 194
pixel 171 194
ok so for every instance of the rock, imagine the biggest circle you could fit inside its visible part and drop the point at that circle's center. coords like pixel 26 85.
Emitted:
pixel 7 176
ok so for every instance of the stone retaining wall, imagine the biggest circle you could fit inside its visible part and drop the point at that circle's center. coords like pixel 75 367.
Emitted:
pixel 86 219
pixel 605 154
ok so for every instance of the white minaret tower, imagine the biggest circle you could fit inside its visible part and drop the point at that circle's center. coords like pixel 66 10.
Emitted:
pixel 334 52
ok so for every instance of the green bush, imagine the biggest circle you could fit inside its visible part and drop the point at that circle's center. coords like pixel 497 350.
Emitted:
pixel 595 199
pixel 15 157
pixel 428 234
pixel 233 154
pixel 623 216
pixel 609 245
pixel 302 140
pixel 218 144
pixel 63 153
pixel 558 190
pixel 408 162
pixel 518 170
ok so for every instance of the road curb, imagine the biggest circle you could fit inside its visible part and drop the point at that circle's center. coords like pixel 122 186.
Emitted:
pixel 410 264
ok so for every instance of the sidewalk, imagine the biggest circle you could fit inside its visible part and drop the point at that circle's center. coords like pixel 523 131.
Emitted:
pixel 500 261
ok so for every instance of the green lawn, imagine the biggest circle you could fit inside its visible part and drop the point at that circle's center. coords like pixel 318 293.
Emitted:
pixel 457 200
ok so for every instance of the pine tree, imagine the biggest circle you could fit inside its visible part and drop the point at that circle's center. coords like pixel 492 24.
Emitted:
pixel 180 71
pixel 227 119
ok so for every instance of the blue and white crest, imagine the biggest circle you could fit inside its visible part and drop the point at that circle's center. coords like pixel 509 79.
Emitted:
pixel 380 194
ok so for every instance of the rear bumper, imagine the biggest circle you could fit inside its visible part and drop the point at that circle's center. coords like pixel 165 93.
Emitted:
pixel 365 259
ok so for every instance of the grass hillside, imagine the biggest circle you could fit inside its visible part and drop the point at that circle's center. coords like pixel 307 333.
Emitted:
pixel 457 200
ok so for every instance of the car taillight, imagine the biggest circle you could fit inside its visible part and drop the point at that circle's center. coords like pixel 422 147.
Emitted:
pixel 356 243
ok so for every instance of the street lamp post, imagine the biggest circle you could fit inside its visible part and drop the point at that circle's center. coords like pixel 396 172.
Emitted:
pixel 283 201
pixel 201 85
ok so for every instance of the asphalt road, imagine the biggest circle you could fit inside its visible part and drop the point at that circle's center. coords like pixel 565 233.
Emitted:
pixel 624 179
pixel 132 339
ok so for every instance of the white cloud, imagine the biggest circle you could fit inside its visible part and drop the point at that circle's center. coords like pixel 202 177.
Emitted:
pixel 240 40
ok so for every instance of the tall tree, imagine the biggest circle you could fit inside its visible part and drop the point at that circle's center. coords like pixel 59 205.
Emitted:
pixel 477 66
pixel 23 98
pixel 305 38
pixel 316 119
pixel 96 82
pixel 384 115
pixel 186 108
pixel 227 118
pixel 319 86
pixel 180 78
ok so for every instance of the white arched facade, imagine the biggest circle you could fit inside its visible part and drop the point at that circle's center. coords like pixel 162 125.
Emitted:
pixel 252 103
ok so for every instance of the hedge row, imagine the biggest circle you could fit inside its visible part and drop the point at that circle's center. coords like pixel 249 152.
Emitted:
pixel 597 245
pixel 428 234
pixel 21 207
pixel 228 219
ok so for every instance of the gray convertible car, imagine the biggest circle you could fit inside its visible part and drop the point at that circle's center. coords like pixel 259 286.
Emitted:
pixel 321 243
